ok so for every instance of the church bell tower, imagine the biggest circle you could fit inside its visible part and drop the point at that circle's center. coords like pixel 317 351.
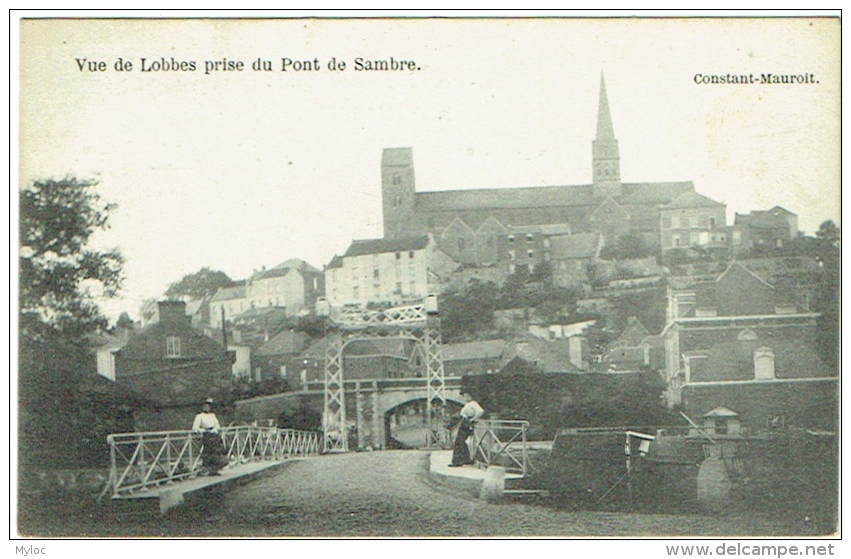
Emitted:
pixel 606 157
pixel 397 192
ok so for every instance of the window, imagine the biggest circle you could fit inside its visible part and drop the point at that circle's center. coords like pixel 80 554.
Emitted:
pixel 398 255
pixel 511 255
pixel 411 255
pixel 530 253
pixel 511 268
pixel 546 242
pixel 375 273
pixel 676 240
pixel 283 371
pixel 172 346
pixel 511 238
pixel 355 292
pixel 461 244
pixel 737 237
pixel 712 223
pixel 529 237
pixel 397 179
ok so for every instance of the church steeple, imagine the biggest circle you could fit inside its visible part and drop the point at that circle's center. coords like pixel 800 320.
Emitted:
pixel 606 157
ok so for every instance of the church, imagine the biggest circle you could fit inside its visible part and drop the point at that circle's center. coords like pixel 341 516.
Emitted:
pixel 482 227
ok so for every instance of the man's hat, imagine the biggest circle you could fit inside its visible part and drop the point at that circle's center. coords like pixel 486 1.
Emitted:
pixel 209 401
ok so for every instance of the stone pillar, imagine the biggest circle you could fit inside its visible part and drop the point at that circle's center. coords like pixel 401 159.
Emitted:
pixel 361 423
pixel 377 420
pixel 493 486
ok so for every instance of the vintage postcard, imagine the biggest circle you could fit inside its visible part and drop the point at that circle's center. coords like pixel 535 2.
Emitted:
pixel 415 277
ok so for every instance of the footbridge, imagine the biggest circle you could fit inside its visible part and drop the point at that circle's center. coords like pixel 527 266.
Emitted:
pixel 166 465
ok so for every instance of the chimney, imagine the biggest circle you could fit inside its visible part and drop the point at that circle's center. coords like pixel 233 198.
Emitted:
pixel 172 312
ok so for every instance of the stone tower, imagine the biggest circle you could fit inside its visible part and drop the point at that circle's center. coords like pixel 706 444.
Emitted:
pixel 397 192
pixel 606 157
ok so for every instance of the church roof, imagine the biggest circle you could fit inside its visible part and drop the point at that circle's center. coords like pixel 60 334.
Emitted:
pixel 504 198
pixel 546 229
pixel 692 200
pixel 653 192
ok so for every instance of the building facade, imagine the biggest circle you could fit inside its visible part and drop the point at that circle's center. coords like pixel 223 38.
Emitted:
pixel 693 220
pixel 469 224
pixel 388 271
pixel 293 285
pixel 171 368
pixel 763 230
pixel 745 344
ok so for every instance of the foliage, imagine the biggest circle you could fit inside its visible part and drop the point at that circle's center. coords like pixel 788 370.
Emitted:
pixel 625 247
pixel 829 233
pixel 60 421
pixel 827 296
pixel 468 311
pixel 202 284
pixel 60 276
pixel 550 401
pixel 647 305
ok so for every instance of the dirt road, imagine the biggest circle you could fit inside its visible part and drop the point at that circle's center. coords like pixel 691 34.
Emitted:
pixel 390 494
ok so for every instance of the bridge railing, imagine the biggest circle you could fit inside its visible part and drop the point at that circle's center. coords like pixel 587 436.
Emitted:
pixel 140 461
pixel 502 443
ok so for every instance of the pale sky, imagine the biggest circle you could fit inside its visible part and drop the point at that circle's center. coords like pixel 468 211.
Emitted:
pixel 238 170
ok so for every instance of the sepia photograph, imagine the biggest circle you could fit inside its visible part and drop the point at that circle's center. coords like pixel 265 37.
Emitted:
pixel 427 277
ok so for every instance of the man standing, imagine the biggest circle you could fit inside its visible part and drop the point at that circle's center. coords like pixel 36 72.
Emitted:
pixel 469 414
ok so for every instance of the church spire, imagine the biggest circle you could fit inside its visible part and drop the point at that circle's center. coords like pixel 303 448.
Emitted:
pixel 606 157
pixel 605 130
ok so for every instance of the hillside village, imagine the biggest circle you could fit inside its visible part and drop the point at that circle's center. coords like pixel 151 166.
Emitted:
pixel 610 277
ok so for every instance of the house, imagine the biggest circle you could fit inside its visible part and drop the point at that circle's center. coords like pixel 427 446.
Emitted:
pixel 529 354
pixel 527 246
pixel 763 230
pixel 170 367
pixel 693 220
pixel 471 358
pixel 281 357
pixel 388 271
pixel 227 302
pixel 635 349
pixel 365 360
pixel 745 344
pixel 293 286
pixel 570 255
pixel 469 224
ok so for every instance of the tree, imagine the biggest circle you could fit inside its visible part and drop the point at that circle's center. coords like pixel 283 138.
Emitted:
pixel 829 233
pixel 203 284
pixel 60 277
pixel 827 296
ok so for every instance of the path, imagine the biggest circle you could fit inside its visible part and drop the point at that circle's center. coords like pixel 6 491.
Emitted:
pixel 390 494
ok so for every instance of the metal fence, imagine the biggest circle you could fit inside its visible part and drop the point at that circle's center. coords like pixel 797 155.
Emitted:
pixel 139 461
pixel 502 443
